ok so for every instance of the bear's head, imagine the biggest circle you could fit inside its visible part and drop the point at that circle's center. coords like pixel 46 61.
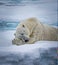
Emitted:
pixel 24 30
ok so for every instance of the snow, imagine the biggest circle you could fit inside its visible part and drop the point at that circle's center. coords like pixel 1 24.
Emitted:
pixel 30 47
pixel 6 37
pixel 43 52
pixel 28 54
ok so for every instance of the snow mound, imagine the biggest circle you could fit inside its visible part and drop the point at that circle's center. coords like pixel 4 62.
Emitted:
pixel 40 53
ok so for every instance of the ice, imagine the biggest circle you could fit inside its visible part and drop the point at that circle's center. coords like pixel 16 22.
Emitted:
pixel 27 54
pixel 6 37
pixel 21 55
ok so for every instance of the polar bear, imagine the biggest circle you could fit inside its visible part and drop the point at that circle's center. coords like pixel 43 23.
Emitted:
pixel 32 30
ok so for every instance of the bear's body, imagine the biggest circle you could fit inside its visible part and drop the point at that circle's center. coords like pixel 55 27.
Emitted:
pixel 32 30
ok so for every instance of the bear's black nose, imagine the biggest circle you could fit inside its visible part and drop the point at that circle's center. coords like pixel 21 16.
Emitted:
pixel 22 34
pixel 26 40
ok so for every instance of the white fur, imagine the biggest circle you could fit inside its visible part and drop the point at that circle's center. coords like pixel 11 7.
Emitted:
pixel 34 30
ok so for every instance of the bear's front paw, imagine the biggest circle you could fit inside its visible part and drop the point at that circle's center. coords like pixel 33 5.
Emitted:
pixel 17 42
pixel 13 41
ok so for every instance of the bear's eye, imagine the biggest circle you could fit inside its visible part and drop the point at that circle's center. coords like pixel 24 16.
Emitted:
pixel 23 26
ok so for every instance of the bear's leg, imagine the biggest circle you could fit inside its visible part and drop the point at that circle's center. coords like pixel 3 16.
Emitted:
pixel 31 41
